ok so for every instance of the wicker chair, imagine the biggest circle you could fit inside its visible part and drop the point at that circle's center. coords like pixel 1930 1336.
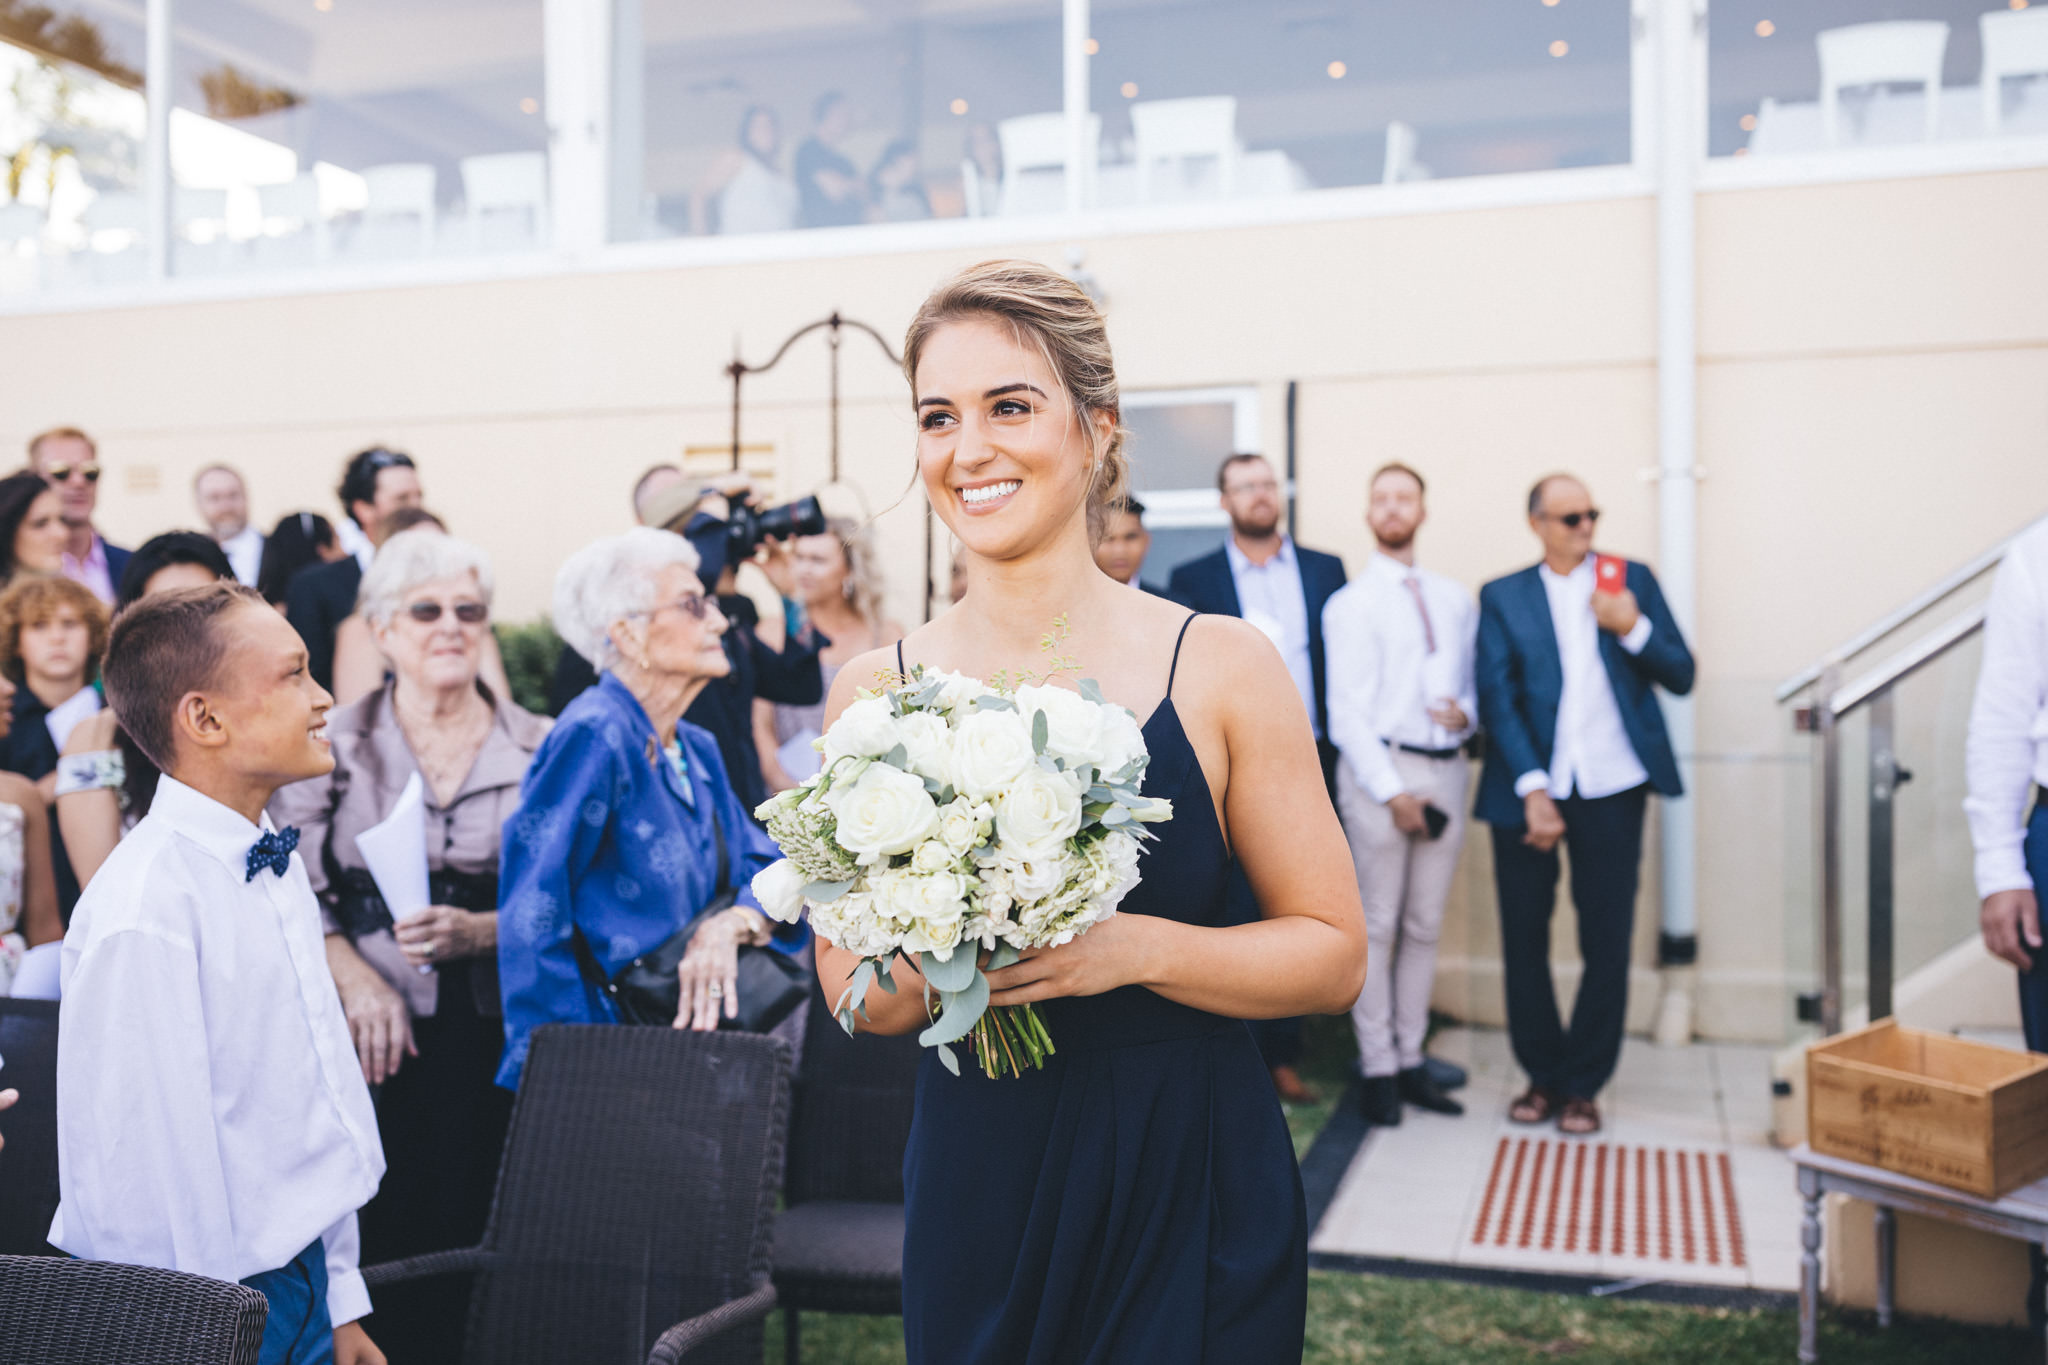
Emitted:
pixel 635 1202
pixel 60 1312
pixel 839 1238
pixel 28 1163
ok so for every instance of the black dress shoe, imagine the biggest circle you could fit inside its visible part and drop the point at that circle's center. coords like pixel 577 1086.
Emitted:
pixel 1446 1075
pixel 1419 1090
pixel 1379 1097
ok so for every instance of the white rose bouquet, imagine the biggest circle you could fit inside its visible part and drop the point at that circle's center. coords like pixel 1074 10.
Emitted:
pixel 955 818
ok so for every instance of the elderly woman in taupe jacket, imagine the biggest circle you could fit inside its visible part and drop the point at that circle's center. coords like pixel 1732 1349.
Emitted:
pixel 422 997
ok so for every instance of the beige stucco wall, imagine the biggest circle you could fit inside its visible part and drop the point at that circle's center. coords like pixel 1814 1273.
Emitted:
pixel 1873 406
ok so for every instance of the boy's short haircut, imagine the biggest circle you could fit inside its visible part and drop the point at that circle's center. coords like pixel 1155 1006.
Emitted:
pixel 32 601
pixel 160 649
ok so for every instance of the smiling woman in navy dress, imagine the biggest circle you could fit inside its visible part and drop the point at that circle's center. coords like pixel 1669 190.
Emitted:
pixel 1137 1200
pixel 615 829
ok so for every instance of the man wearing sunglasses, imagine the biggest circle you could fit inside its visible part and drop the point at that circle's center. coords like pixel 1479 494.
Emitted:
pixel 1570 653
pixel 68 458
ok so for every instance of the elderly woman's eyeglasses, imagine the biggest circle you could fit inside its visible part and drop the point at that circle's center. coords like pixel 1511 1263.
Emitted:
pixel 469 613
pixel 695 603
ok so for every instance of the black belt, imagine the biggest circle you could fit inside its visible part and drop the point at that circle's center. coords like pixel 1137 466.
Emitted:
pixel 1418 750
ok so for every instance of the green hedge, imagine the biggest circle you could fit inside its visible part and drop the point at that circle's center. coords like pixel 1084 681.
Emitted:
pixel 530 653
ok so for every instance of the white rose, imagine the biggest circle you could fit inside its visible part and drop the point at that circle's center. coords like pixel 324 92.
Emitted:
pixel 895 895
pixel 964 823
pixel 941 908
pixel 1034 875
pixel 959 690
pixel 990 750
pixel 1039 810
pixel 927 744
pixel 780 889
pixel 933 856
pixel 886 811
pixel 864 730
pixel 1073 724
pixel 1152 810
pixel 1122 739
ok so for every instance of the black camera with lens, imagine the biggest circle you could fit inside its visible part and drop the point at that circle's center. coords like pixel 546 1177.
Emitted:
pixel 746 526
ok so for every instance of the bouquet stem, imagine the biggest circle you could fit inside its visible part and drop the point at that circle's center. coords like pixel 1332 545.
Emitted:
pixel 1009 1038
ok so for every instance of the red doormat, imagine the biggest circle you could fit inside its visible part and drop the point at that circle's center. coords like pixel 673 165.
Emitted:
pixel 1612 1200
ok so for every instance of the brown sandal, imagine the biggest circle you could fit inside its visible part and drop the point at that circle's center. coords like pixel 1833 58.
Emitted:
pixel 1581 1118
pixel 1534 1105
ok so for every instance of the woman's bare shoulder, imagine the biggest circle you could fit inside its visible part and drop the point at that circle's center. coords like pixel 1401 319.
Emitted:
pixel 862 670
pixel 1232 665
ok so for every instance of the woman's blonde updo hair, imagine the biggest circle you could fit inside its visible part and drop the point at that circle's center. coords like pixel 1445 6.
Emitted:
pixel 1051 312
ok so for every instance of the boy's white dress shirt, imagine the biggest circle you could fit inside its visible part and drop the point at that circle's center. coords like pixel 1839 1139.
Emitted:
pixel 211 1116
pixel 2007 750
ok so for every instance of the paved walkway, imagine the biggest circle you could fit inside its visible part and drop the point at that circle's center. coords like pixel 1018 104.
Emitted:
pixel 1683 1185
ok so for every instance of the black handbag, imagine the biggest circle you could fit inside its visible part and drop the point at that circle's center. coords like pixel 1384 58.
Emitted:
pixel 647 991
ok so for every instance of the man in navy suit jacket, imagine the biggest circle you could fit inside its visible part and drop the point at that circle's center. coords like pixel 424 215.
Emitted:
pixel 1567 666
pixel 1261 575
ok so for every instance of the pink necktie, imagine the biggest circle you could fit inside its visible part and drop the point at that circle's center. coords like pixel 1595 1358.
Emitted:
pixel 1428 631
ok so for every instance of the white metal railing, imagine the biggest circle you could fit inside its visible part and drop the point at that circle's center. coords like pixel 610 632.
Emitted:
pixel 1830 696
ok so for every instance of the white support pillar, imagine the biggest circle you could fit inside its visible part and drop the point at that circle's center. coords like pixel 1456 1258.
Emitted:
pixel 1677 30
pixel 577 41
pixel 157 78
pixel 1074 85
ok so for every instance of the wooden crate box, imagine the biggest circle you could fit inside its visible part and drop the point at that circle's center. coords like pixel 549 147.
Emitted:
pixel 1946 1110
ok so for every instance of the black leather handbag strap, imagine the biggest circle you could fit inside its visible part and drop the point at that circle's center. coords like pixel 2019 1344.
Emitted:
pixel 723 895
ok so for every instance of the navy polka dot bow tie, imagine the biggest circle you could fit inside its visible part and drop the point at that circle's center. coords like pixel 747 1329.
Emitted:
pixel 274 851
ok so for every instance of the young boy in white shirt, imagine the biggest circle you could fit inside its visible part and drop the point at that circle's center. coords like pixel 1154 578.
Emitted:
pixel 210 1113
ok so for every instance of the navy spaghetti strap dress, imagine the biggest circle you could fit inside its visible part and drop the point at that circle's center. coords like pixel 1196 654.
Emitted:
pixel 1137 1201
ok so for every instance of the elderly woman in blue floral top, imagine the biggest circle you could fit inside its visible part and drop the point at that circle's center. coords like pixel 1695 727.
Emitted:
pixel 614 834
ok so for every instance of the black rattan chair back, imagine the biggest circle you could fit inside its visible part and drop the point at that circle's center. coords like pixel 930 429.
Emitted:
pixel 851 1117
pixel 28 1163
pixel 637 1190
pixel 61 1312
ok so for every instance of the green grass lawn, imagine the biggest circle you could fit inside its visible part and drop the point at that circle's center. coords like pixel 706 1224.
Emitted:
pixel 1368 1318
pixel 1372 1318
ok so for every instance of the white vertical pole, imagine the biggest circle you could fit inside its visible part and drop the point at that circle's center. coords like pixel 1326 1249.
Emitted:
pixel 576 36
pixel 1678 27
pixel 1074 85
pixel 156 144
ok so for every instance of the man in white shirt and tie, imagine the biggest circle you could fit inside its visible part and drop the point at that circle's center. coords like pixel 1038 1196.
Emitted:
pixel 2007 765
pixel 1570 654
pixel 223 502
pixel 1400 642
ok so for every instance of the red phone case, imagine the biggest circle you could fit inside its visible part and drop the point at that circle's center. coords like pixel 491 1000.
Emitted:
pixel 1610 573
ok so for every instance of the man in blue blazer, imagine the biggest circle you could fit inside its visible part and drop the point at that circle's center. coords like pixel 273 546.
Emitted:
pixel 1261 575
pixel 1570 652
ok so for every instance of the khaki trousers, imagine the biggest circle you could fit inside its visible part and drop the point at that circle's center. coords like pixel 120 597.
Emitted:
pixel 1403 882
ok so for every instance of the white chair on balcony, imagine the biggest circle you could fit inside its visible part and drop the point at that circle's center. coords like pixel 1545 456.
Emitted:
pixel 509 183
pixel 1035 161
pixel 1400 165
pixel 1203 128
pixel 402 189
pixel 1906 52
pixel 298 200
pixel 2015 44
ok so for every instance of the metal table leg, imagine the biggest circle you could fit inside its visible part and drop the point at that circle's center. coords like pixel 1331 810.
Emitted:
pixel 1809 1269
pixel 1887 1256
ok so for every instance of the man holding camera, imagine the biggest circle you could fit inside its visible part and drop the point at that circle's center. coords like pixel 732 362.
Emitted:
pixel 1399 642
